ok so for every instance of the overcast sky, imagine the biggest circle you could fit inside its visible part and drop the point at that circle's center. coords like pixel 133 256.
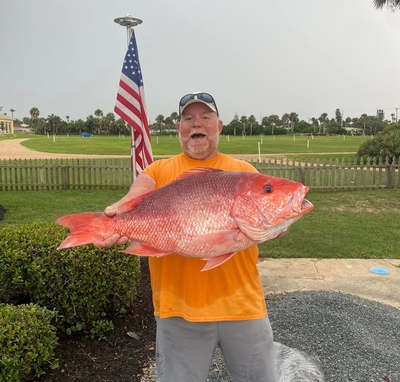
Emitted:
pixel 257 57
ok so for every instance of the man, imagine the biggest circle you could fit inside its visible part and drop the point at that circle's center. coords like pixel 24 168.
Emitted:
pixel 196 311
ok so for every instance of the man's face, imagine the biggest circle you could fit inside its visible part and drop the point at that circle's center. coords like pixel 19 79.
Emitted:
pixel 199 130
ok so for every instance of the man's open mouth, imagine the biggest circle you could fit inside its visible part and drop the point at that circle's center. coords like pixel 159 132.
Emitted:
pixel 197 136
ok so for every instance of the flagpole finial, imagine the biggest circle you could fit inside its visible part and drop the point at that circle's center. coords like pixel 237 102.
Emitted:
pixel 128 21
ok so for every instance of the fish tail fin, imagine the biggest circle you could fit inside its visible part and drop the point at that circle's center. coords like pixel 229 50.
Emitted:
pixel 85 228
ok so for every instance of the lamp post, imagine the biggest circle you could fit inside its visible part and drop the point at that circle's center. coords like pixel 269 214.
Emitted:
pixel 129 22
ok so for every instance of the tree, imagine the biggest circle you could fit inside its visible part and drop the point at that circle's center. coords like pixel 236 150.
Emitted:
pixel 323 119
pixel 67 116
pixel 91 124
pixel 108 122
pixel 338 116
pixel 169 123
pixel 79 125
pixel 285 120
pixel 34 112
pixel 273 120
pixel 175 117
pixel 12 112
pixel 243 121
pixel 120 126
pixel 363 120
pixel 392 4
pixel 334 127
pixel 160 121
pixel 315 123
pixel 293 118
pixel 99 115
pixel 235 123
pixel 54 122
pixel 380 114
pixel 251 120
pixel 264 121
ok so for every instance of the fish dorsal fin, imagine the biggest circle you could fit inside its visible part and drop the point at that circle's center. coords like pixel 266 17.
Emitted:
pixel 194 172
pixel 131 204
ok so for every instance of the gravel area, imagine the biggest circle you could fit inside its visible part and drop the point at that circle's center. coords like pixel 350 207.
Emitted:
pixel 354 339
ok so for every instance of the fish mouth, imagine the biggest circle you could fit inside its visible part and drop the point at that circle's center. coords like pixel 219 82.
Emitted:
pixel 298 204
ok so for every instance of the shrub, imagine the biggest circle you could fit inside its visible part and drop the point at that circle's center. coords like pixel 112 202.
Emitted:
pixel 27 340
pixel 385 144
pixel 83 284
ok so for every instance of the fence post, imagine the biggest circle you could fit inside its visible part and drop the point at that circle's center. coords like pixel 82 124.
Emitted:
pixel 389 175
pixel 64 177
pixel 303 178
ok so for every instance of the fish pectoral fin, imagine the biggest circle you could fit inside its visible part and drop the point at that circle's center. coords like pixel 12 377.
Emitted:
pixel 139 249
pixel 215 261
pixel 257 234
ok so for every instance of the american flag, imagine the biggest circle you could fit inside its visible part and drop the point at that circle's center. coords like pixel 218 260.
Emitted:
pixel 131 107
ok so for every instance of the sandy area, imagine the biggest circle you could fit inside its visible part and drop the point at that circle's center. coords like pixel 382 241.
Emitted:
pixel 12 149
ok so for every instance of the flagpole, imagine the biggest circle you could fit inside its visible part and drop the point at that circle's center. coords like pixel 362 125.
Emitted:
pixel 129 22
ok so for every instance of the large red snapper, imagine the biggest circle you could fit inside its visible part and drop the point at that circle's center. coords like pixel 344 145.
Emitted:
pixel 205 213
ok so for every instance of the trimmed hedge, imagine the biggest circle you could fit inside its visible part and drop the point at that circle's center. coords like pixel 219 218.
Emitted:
pixel 84 284
pixel 27 340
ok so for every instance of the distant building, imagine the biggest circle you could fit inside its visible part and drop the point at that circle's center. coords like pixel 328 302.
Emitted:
pixel 353 130
pixel 23 129
pixel 6 124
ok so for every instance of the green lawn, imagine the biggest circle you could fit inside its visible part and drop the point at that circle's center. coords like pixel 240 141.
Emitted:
pixel 353 224
pixel 169 144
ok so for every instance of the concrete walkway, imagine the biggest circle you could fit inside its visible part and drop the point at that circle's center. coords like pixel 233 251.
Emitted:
pixel 349 276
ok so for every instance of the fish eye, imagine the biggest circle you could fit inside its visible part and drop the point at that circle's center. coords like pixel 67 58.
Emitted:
pixel 268 188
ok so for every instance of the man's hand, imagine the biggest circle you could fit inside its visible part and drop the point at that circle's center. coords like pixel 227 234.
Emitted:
pixel 114 239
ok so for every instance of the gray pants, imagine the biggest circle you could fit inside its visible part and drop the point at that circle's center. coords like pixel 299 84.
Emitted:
pixel 184 349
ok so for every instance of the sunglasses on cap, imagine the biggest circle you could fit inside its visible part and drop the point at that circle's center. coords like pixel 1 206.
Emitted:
pixel 206 98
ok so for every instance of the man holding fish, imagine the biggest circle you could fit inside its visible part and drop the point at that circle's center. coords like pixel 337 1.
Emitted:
pixel 204 215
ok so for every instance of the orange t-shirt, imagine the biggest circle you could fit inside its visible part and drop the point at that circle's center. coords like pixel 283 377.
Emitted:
pixel 231 291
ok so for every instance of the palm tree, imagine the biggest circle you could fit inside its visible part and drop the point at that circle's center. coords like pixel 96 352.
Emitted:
pixel 364 119
pixel 34 112
pixel 251 120
pixel 54 122
pixel 314 122
pixel 160 121
pixel 99 115
pixel 109 121
pixel 273 120
pixel 174 117
pixel 323 119
pixel 293 118
pixel 393 4
pixel 243 121
pixel 67 116
pixel 285 119
pixel 12 112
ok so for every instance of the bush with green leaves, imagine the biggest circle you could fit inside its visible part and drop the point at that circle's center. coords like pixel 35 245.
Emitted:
pixel 27 340
pixel 83 284
pixel 384 144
